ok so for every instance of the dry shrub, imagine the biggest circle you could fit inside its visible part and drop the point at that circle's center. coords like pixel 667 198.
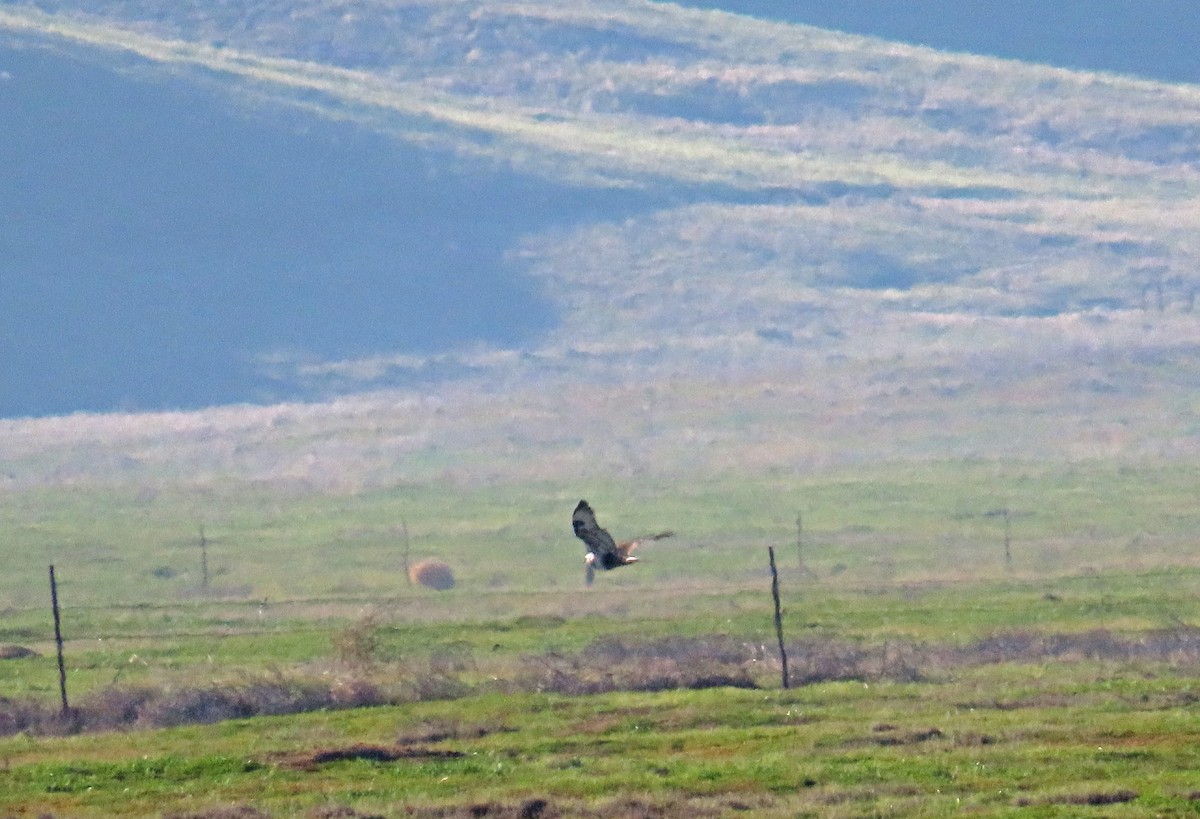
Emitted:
pixel 621 664
pixel 814 661
pixel 356 693
pixel 433 574
pixel 1180 646
pixel 23 715
pixel 228 812
pixel 615 663
pixel 434 686
pixel 115 708
pixel 222 702
pixel 534 808
pixel 119 708
pixel 442 730
pixel 340 812
pixel 357 644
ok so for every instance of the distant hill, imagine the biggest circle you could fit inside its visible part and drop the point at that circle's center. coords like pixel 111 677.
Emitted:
pixel 1154 39
pixel 736 224
pixel 162 244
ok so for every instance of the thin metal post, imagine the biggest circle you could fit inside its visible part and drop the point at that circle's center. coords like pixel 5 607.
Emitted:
pixel 404 531
pixel 778 615
pixel 800 540
pixel 62 668
pixel 1007 541
pixel 203 560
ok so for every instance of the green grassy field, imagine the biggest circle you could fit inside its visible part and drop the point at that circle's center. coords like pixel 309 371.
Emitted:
pixel 139 543
pixel 841 749
pixel 309 679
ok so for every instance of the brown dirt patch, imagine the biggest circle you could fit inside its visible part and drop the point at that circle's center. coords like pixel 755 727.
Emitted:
pixel 11 652
pixel 311 760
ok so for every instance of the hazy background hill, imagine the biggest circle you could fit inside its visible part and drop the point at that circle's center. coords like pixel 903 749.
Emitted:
pixel 1151 39
pixel 594 236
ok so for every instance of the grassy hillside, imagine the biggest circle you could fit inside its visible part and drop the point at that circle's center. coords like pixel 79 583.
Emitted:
pixel 875 248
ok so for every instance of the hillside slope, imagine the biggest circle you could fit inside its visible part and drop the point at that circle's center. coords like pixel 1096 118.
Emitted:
pixel 874 251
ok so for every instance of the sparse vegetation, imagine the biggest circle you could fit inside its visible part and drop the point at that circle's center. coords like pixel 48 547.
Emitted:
pixel 607 664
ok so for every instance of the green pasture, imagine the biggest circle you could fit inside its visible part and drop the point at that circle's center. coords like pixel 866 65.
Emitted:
pixel 932 678
pixel 839 749
pixel 118 545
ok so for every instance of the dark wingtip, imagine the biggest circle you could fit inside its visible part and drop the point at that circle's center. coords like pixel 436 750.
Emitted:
pixel 578 525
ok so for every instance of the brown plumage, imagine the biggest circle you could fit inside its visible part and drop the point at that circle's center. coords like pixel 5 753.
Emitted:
pixel 602 550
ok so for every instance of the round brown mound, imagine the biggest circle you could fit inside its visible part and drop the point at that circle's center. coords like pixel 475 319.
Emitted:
pixel 432 573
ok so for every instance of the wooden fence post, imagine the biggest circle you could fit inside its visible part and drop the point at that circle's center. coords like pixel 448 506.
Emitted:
pixel 62 668
pixel 404 530
pixel 203 560
pixel 800 541
pixel 1007 541
pixel 778 615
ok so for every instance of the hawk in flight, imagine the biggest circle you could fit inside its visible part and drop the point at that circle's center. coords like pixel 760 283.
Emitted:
pixel 602 550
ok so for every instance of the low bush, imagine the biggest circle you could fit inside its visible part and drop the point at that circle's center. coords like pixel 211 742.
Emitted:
pixel 606 664
pixel 118 708
pixel 217 703
pixel 624 664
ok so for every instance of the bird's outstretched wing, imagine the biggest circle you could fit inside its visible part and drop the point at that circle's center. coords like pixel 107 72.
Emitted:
pixel 598 541
pixel 628 546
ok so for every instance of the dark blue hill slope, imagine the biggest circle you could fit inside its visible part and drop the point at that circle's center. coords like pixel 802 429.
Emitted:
pixel 156 243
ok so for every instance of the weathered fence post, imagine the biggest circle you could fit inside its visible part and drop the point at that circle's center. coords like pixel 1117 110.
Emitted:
pixel 62 668
pixel 800 541
pixel 1007 541
pixel 404 530
pixel 203 560
pixel 778 615
pixel 1007 514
